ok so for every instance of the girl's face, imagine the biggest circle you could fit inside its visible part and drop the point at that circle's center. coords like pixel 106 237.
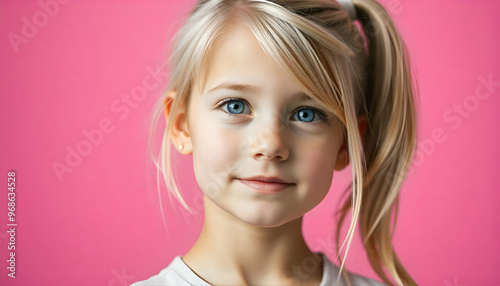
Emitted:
pixel 250 120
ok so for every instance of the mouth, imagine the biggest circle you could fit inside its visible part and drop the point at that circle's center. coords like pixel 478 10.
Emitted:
pixel 266 185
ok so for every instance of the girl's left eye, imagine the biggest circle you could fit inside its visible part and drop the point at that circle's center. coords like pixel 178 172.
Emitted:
pixel 308 114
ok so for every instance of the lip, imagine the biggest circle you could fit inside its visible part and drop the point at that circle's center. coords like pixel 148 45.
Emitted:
pixel 266 185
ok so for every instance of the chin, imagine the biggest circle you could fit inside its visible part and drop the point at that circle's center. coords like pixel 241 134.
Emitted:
pixel 267 218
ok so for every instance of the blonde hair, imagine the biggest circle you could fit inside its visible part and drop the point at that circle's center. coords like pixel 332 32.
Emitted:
pixel 317 45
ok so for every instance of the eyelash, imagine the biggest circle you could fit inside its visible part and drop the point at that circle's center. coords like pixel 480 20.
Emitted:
pixel 321 114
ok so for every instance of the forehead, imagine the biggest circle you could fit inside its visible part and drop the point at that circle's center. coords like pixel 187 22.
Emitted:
pixel 237 56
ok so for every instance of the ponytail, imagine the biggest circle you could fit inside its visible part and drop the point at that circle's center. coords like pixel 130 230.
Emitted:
pixel 389 139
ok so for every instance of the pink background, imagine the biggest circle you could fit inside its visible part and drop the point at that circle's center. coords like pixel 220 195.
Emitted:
pixel 100 224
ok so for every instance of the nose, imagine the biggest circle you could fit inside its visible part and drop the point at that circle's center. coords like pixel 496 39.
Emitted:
pixel 270 142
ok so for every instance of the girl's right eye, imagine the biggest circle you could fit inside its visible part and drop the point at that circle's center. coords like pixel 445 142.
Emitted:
pixel 234 106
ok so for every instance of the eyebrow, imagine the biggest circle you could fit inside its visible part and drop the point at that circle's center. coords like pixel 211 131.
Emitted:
pixel 245 88
pixel 237 87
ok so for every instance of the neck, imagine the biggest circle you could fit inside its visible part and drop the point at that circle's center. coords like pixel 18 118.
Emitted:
pixel 231 251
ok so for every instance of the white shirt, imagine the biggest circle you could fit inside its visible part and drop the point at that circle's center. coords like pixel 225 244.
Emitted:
pixel 177 273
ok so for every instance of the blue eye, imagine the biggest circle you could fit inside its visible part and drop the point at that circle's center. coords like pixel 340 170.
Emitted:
pixel 235 106
pixel 307 115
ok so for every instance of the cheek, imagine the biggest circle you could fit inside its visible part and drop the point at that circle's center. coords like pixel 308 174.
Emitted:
pixel 318 163
pixel 215 145
pixel 214 155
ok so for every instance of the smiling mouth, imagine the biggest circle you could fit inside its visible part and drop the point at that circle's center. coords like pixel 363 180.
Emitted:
pixel 266 185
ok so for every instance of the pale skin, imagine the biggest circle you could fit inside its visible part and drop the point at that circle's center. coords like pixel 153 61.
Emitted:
pixel 249 238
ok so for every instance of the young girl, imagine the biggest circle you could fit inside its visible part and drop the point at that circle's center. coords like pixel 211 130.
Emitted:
pixel 271 97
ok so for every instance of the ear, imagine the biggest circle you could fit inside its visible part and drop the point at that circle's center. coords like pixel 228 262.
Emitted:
pixel 362 126
pixel 343 155
pixel 179 130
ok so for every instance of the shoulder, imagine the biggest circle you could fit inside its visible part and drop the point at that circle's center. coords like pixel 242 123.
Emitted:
pixel 176 273
pixel 359 280
pixel 331 273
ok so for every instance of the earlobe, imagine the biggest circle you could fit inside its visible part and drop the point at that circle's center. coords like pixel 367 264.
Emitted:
pixel 179 131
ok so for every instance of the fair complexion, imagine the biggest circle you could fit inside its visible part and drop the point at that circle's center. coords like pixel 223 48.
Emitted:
pixel 247 119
